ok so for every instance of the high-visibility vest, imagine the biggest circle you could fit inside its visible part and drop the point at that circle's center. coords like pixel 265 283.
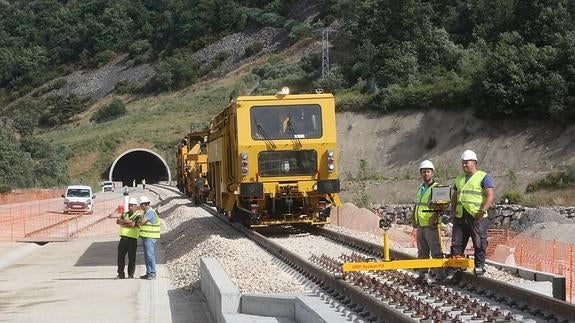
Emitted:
pixel 149 230
pixel 421 205
pixel 131 232
pixel 469 194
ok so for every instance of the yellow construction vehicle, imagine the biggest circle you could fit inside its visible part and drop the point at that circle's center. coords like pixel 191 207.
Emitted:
pixel 193 166
pixel 273 159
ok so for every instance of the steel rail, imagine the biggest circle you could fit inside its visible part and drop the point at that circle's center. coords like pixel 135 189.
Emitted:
pixel 521 297
pixel 537 304
pixel 354 297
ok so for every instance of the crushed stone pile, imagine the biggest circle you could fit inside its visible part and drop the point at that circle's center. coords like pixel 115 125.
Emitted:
pixel 545 224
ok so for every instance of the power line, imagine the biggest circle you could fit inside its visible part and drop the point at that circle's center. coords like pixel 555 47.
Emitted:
pixel 325 52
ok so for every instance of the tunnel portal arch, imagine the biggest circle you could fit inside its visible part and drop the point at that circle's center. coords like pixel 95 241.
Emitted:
pixel 137 164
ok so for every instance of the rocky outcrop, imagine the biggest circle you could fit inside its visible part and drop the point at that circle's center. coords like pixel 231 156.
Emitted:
pixel 231 50
pixel 96 84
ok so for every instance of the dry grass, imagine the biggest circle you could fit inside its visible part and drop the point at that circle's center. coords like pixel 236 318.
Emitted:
pixel 563 197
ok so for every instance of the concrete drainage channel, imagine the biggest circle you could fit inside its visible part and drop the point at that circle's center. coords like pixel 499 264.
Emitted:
pixel 227 304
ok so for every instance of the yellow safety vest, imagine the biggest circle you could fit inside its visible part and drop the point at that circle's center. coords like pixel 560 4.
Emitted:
pixel 131 232
pixel 149 230
pixel 421 205
pixel 469 194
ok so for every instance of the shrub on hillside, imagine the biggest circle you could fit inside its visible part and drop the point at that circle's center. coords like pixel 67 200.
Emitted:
pixel 430 143
pixel 512 197
pixel 125 87
pixel 271 19
pixel 61 110
pixel 554 180
pixel 103 57
pixel 354 102
pixel 300 31
pixel 110 112
pixel 442 93
pixel 173 73
pixel 253 48
pixel 333 81
pixel 5 188
pixel 274 76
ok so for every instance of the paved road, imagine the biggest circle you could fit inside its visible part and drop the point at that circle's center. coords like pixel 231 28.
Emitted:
pixel 74 282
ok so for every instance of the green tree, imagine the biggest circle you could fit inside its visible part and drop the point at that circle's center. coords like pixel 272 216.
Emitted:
pixel 49 163
pixel 15 165
pixel 109 112
pixel 519 80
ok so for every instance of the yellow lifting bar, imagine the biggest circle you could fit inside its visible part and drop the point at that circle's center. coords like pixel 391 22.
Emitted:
pixel 388 264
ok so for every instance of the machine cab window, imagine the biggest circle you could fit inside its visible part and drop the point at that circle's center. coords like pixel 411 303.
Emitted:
pixel 286 122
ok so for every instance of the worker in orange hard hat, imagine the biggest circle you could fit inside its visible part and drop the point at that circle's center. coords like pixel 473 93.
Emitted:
pixel 470 202
pixel 129 233
pixel 425 222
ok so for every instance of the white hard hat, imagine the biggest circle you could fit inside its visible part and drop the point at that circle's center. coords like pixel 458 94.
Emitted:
pixel 133 200
pixel 144 199
pixel 469 155
pixel 426 164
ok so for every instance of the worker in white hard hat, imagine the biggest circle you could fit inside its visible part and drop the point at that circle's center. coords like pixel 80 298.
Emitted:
pixel 149 232
pixel 425 222
pixel 129 233
pixel 470 202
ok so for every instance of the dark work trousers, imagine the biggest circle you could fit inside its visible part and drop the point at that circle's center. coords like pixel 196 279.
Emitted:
pixel 428 244
pixel 127 245
pixel 468 227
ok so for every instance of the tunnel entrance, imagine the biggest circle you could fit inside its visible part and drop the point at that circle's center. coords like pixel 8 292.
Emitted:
pixel 137 164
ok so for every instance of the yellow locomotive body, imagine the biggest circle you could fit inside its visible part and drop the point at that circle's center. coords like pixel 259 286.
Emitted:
pixel 193 166
pixel 272 160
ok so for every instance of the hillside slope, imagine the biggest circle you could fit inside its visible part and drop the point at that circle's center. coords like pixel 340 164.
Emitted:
pixel 392 146
pixel 514 152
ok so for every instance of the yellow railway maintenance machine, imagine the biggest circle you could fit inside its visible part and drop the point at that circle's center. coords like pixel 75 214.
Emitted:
pixel 439 204
pixel 272 160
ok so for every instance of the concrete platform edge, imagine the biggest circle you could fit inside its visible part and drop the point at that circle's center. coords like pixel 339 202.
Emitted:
pixel 222 295
pixel 227 304
pixel 17 253
pixel 557 282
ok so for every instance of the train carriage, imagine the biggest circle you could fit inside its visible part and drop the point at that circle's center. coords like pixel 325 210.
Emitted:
pixel 273 159
pixel 193 166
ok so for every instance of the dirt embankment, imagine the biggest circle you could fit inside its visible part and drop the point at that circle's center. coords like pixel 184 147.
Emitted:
pixel 393 145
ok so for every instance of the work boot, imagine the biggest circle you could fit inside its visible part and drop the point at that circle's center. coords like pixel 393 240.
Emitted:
pixel 144 276
pixel 120 276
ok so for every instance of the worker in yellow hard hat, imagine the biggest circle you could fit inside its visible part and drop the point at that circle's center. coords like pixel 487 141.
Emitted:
pixel 470 202
pixel 425 222
pixel 129 233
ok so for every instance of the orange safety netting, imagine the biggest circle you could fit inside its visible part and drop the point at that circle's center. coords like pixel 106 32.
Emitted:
pixel 44 220
pixel 18 196
pixel 506 246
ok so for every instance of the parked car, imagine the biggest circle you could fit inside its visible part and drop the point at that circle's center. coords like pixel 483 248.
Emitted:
pixel 107 186
pixel 78 198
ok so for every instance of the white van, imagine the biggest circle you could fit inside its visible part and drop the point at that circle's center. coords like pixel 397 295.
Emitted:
pixel 107 186
pixel 78 198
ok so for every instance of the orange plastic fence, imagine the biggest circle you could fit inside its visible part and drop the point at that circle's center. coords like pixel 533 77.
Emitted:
pixel 18 196
pixel 537 254
pixel 43 220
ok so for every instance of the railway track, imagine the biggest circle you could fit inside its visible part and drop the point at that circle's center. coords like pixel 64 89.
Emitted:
pixel 396 296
